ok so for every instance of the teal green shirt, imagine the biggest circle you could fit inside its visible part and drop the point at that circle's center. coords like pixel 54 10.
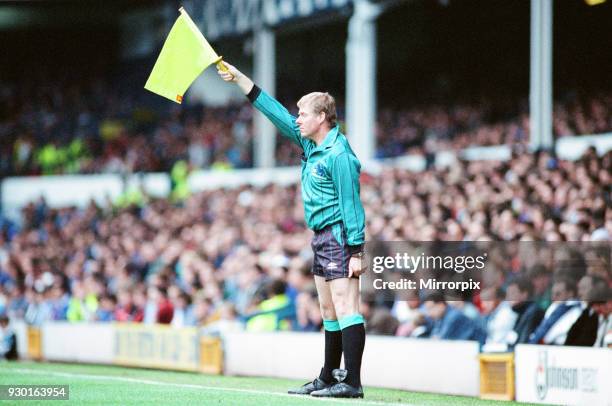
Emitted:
pixel 330 174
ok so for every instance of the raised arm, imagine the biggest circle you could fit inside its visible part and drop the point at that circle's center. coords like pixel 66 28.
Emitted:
pixel 268 105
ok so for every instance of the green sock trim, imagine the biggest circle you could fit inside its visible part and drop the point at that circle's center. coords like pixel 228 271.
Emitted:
pixel 331 325
pixel 351 320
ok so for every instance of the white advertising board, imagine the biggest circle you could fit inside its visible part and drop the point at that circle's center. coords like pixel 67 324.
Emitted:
pixel 563 375
pixel 74 342
pixel 419 365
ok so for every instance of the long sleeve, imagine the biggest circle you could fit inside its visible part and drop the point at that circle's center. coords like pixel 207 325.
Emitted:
pixel 277 114
pixel 345 176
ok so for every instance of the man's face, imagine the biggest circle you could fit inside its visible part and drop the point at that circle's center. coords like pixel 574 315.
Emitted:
pixel 540 283
pixel 488 300
pixel 308 121
pixel 514 295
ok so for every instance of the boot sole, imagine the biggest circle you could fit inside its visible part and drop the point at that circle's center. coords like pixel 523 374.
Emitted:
pixel 339 397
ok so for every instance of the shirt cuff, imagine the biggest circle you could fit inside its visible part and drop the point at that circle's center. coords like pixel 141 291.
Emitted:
pixel 254 93
pixel 355 249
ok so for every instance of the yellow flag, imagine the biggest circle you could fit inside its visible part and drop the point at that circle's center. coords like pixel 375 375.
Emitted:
pixel 184 56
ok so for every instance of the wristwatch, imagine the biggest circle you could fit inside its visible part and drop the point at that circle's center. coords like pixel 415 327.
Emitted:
pixel 359 255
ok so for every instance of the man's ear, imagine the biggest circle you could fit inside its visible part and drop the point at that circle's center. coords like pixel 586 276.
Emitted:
pixel 322 117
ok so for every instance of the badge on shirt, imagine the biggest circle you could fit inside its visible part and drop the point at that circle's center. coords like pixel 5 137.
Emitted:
pixel 318 170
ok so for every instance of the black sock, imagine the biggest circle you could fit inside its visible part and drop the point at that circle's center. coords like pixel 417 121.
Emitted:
pixel 333 354
pixel 353 342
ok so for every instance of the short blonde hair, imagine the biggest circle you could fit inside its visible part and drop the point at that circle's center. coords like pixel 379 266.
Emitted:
pixel 321 103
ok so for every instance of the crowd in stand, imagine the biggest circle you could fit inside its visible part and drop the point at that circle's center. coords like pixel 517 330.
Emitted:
pixel 239 259
pixel 64 128
pixel 68 128
pixel 488 122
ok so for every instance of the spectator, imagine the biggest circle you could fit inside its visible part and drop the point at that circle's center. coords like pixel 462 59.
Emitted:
pixel 183 311
pixel 465 306
pixel 601 296
pixel 378 318
pixel 308 315
pixel 272 312
pixel 151 308
pixel 202 309
pixel 60 301
pixel 8 340
pixel 584 331
pixel 106 310
pixel 560 315
pixel 500 319
pixel 165 309
pixel 449 323
pixel 540 278
pixel 126 309
pixel 382 323
pixel 82 305
pixel 519 295
pixel 407 313
pixel 38 310
pixel 138 309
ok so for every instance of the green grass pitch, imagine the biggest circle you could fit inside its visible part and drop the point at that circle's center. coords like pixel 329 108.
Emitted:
pixel 110 385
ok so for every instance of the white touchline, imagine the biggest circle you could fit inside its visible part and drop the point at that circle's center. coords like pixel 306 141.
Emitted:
pixel 193 386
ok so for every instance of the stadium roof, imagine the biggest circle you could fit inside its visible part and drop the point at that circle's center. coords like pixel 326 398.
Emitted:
pixel 46 13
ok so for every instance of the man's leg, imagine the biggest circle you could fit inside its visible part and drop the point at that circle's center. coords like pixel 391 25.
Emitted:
pixel 345 296
pixel 333 334
pixel 334 258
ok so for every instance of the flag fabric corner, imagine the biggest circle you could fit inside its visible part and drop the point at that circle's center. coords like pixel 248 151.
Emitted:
pixel 184 56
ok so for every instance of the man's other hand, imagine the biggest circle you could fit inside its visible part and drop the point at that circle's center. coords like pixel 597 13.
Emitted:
pixel 357 266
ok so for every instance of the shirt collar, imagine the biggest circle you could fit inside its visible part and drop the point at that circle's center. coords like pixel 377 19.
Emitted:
pixel 329 140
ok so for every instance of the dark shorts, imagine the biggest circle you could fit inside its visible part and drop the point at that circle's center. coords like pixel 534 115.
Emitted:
pixel 331 258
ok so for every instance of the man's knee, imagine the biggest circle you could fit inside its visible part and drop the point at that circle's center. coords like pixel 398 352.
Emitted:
pixel 342 309
pixel 345 306
pixel 328 311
